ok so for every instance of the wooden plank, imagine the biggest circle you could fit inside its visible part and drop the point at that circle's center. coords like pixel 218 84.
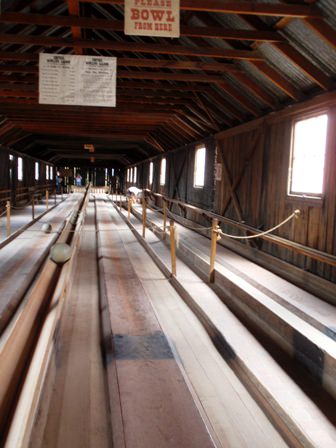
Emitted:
pixel 242 7
pixel 324 30
pixel 130 46
pixel 76 22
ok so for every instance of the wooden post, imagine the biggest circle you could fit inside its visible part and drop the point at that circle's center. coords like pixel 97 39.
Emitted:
pixel 172 247
pixel 129 209
pixel 120 205
pixel 164 218
pixel 144 215
pixel 47 199
pixel 33 206
pixel 8 218
pixel 55 197
pixel 213 250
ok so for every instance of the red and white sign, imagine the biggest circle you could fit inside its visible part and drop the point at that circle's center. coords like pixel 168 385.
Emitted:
pixel 152 18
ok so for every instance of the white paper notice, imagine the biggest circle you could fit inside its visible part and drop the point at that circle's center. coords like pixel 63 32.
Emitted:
pixel 77 80
pixel 152 18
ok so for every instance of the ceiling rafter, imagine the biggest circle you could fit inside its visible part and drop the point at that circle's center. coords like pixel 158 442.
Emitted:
pixel 76 23
pixel 241 7
pixel 307 67
pixel 129 47
pixel 74 10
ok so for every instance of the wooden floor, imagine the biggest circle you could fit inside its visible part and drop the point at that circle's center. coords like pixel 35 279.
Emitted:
pixel 165 385
pixel 133 367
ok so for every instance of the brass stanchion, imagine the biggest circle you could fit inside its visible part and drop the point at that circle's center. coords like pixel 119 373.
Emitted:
pixel 129 209
pixel 144 215
pixel 214 238
pixel 172 247
pixel 164 218
pixel 47 199
pixel 8 216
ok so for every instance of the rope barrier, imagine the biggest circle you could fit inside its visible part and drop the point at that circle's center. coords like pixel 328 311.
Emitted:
pixel 22 207
pixel 186 225
pixel 295 214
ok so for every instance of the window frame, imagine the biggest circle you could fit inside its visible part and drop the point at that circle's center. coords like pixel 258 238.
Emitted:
pixel 198 148
pixel 311 198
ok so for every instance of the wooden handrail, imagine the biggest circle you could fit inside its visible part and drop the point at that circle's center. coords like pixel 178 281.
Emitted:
pixel 280 241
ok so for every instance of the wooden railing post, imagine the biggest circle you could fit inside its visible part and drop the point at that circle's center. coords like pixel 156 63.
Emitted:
pixel 164 218
pixel 214 234
pixel 47 199
pixel 172 247
pixel 129 209
pixel 144 215
pixel 120 204
pixel 8 216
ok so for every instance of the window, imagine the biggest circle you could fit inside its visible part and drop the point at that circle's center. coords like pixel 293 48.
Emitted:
pixel 20 169
pixel 151 167
pixel 128 174
pixel 51 173
pixel 131 175
pixel 47 172
pixel 37 171
pixel 11 157
pixel 112 172
pixel 163 172
pixel 135 173
pixel 199 168
pixel 307 156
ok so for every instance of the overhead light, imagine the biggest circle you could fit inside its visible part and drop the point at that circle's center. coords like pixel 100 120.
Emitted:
pixel 90 147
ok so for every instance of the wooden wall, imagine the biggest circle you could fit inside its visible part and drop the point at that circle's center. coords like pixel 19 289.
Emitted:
pixel 254 159
pixel 21 186
pixel 255 165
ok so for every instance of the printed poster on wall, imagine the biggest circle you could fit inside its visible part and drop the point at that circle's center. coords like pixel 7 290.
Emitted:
pixel 152 18
pixel 77 80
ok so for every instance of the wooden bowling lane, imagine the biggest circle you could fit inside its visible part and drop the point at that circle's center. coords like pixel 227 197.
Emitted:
pixel 150 402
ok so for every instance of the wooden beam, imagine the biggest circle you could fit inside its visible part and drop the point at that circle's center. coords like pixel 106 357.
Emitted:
pixel 279 80
pixel 240 97
pixel 75 22
pixel 241 7
pixel 163 76
pixel 324 30
pixel 304 64
pixel 310 70
pixel 129 46
pixel 169 76
pixel 124 62
pixel 73 7
pixel 160 86
pixel 256 89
